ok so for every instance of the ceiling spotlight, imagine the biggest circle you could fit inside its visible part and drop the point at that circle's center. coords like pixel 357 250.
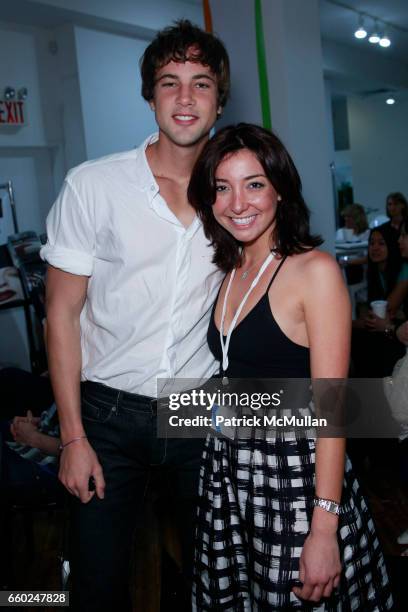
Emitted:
pixel 361 32
pixel 9 93
pixel 22 93
pixel 384 41
pixel 390 100
pixel 374 37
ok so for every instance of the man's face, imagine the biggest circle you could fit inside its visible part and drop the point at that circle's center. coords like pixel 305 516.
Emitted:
pixel 185 102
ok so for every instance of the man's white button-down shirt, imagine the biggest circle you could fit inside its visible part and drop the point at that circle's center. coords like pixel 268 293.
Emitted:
pixel 151 284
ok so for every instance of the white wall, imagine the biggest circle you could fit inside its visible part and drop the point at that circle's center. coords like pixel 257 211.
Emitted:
pixel 379 149
pixel 69 98
pixel 31 175
pixel 25 154
pixel 26 159
pixel 299 103
pixel 115 115
pixel 244 103
pixel 18 68
pixel 152 14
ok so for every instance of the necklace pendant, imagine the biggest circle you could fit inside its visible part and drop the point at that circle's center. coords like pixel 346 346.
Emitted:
pixel 244 275
pixel 225 381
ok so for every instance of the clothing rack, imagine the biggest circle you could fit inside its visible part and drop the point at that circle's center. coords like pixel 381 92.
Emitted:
pixel 8 186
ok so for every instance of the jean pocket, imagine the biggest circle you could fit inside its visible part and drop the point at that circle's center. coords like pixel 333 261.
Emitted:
pixel 96 411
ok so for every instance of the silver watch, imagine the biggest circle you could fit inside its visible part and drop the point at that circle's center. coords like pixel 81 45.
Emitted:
pixel 327 504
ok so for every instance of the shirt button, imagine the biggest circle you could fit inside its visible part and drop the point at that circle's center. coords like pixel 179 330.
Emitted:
pixel 152 188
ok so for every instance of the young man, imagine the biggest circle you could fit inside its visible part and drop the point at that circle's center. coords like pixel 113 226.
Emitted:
pixel 129 291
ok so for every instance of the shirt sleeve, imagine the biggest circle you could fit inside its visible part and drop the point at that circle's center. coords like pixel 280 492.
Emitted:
pixel 403 275
pixel 70 234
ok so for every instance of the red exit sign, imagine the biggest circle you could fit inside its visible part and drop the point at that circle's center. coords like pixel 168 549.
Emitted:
pixel 12 112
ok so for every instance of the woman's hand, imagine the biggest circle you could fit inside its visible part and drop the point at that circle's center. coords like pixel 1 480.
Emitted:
pixel 319 567
pixel 374 323
pixel 402 333
pixel 25 429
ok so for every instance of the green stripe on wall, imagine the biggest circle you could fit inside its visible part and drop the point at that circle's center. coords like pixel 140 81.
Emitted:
pixel 262 69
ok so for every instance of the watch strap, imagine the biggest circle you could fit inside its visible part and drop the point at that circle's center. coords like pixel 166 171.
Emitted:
pixel 327 504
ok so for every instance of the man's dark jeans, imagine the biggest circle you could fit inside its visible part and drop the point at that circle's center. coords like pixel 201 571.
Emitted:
pixel 121 427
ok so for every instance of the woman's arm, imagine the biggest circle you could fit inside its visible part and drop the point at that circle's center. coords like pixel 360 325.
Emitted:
pixel 397 297
pixel 327 314
pixel 26 432
pixel 47 444
pixel 328 323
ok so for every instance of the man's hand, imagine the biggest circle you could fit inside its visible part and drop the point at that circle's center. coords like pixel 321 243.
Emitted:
pixel 77 465
pixel 319 567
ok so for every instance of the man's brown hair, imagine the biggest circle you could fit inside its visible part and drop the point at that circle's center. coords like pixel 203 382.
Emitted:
pixel 181 43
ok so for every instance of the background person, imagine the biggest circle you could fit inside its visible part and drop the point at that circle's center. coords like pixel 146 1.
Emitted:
pixel 397 210
pixel 375 349
pixel 355 220
pixel 29 456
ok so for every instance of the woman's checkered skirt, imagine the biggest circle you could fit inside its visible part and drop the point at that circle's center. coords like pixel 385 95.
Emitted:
pixel 254 515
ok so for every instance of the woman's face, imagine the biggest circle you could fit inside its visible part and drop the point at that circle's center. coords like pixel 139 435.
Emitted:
pixel 349 222
pixel 377 248
pixel 403 243
pixel 246 200
pixel 394 208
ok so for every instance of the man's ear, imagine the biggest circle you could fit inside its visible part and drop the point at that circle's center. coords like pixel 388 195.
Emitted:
pixel 152 106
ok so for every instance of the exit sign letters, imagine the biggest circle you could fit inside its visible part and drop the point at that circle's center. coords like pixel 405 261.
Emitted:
pixel 12 112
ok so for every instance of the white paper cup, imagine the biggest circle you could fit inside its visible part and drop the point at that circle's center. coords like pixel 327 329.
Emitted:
pixel 379 307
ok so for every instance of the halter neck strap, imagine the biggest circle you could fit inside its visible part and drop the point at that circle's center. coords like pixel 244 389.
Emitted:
pixel 225 345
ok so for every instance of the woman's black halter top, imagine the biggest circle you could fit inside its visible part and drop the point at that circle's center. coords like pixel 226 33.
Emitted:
pixel 258 347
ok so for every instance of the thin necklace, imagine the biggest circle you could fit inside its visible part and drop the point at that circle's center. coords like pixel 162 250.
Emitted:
pixel 245 274
pixel 225 345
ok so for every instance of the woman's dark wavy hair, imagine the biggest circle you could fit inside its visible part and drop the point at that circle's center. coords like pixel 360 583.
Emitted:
pixel 291 234
pixel 376 290
pixel 175 43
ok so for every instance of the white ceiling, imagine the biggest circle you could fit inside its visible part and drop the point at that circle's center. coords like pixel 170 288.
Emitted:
pixel 339 23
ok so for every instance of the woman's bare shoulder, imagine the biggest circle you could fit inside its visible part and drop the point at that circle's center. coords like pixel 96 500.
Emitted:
pixel 316 263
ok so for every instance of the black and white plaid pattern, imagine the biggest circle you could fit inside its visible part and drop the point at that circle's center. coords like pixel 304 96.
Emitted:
pixel 254 515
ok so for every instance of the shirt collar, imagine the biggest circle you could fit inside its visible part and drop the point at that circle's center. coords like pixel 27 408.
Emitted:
pixel 149 185
pixel 144 175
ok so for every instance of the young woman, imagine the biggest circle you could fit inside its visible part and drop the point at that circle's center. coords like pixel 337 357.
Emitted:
pixel 355 219
pixel 375 349
pixel 384 267
pixel 280 525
